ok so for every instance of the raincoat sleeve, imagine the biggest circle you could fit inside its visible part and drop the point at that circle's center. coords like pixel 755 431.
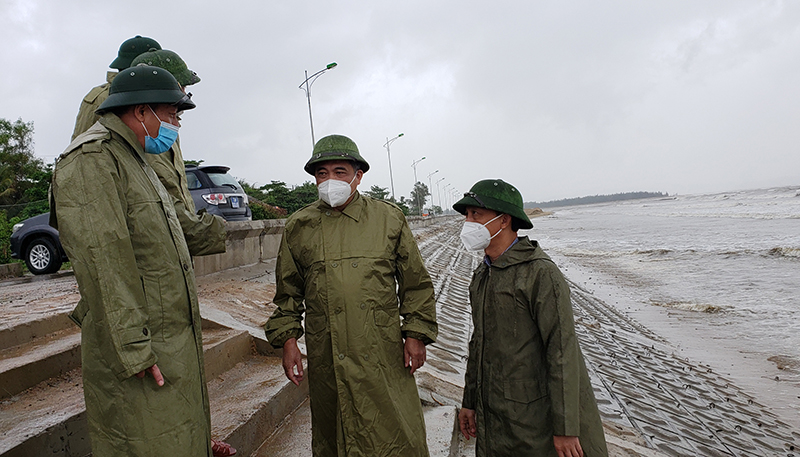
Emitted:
pixel 415 290
pixel 286 321
pixel 90 210
pixel 205 233
pixel 469 399
pixel 552 305
pixel 86 113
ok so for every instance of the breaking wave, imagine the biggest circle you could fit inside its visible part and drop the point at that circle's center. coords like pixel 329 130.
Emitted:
pixel 687 306
pixel 793 253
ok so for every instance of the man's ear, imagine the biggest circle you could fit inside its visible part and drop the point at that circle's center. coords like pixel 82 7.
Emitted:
pixel 359 175
pixel 138 112
pixel 506 220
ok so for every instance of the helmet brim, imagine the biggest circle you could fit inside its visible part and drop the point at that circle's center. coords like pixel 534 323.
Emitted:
pixel 147 97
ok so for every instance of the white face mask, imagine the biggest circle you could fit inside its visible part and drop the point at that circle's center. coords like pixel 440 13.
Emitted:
pixel 476 237
pixel 335 192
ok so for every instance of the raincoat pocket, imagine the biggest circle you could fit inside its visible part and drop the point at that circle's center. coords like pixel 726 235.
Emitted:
pixel 523 390
pixel 155 310
pixel 316 324
pixel 387 322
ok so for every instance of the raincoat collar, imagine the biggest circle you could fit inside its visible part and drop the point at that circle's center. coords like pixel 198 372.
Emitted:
pixel 524 250
pixel 115 124
pixel 353 210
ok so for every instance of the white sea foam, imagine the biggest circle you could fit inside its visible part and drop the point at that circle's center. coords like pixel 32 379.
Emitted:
pixel 734 252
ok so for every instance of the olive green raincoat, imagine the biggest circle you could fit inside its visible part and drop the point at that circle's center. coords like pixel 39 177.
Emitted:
pixel 138 298
pixel 348 272
pixel 526 377
pixel 86 113
pixel 172 174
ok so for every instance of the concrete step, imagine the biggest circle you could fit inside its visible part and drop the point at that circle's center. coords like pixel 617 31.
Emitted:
pixel 249 401
pixel 24 330
pixel 293 437
pixel 37 359
pixel 48 419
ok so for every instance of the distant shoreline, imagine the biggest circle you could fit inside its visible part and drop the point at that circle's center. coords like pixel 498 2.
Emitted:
pixel 537 212
pixel 595 199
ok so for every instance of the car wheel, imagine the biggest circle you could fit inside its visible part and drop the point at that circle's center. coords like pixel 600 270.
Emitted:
pixel 42 257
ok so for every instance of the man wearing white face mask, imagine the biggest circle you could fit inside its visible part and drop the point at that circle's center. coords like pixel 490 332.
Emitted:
pixel 526 391
pixel 350 264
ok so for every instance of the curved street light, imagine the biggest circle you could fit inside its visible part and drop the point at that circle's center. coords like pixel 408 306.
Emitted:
pixel 414 166
pixel 446 197
pixel 308 82
pixel 430 186
pixel 386 145
pixel 439 194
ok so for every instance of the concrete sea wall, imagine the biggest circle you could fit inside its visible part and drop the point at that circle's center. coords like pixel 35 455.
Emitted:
pixel 251 242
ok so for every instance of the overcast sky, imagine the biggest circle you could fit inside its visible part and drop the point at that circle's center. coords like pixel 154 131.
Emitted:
pixel 561 98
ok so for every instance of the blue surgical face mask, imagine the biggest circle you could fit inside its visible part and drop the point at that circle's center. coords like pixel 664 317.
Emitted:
pixel 167 134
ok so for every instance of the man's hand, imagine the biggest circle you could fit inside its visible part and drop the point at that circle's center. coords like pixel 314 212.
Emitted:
pixel 414 354
pixel 466 421
pixel 567 446
pixel 155 372
pixel 292 361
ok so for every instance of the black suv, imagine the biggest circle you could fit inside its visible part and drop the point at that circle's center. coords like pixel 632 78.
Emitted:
pixel 37 243
pixel 218 192
pixel 212 188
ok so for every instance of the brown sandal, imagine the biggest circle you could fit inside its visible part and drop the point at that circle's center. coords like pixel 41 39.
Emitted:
pixel 222 449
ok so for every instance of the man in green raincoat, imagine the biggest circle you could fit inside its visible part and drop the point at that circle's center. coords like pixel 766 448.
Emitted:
pixel 350 264
pixel 128 50
pixel 141 343
pixel 169 165
pixel 527 391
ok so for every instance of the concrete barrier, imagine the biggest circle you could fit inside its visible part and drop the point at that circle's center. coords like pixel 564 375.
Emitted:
pixel 418 221
pixel 10 270
pixel 251 242
pixel 248 242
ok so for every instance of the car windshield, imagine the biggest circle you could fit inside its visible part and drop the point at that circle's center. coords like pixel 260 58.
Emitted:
pixel 223 179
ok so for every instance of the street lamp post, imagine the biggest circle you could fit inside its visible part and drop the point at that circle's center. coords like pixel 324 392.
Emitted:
pixel 439 194
pixel 446 197
pixel 308 82
pixel 389 154
pixel 430 186
pixel 414 166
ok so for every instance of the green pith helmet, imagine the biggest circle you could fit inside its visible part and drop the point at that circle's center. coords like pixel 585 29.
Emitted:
pixel 131 48
pixel 496 195
pixel 145 85
pixel 335 147
pixel 170 61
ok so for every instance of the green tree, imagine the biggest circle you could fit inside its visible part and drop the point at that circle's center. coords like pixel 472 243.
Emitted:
pixel 24 179
pixel 403 204
pixel 378 192
pixel 278 194
pixel 418 198
pixel 5 235
pixel 252 191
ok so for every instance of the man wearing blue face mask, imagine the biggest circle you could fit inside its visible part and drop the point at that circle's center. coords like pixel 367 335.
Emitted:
pixel 350 266
pixel 526 389
pixel 141 338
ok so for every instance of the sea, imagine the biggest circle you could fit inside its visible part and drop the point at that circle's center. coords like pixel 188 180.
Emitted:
pixel 716 274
